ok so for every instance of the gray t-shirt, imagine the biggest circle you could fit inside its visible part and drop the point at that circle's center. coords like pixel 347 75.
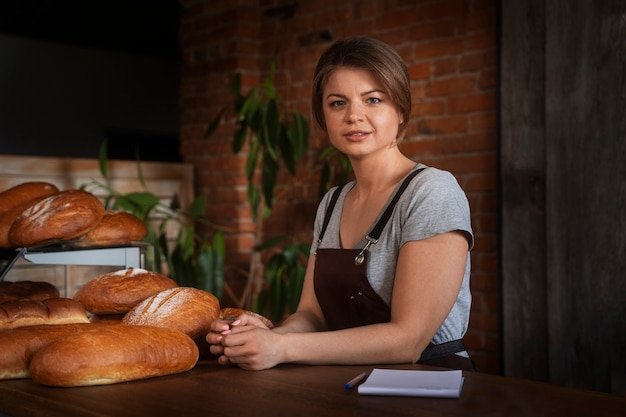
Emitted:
pixel 432 204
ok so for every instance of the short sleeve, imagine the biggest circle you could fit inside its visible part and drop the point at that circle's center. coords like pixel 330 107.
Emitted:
pixel 434 203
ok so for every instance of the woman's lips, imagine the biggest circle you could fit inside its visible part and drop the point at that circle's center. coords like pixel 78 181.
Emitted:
pixel 356 135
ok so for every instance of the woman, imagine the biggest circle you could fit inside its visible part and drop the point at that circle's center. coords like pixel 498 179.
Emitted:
pixel 393 293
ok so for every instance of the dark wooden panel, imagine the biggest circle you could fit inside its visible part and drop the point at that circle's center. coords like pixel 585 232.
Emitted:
pixel 524 326
pixel 586 192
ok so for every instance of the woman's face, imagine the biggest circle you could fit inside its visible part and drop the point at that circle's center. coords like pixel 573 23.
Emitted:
pixel 360 117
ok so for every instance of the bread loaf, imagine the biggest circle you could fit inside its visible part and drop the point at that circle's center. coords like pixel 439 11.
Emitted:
pixel 117 226
pixel 19 313
pixel 113 354
pixel 25 192
pixel 19 345
pixel 118 292
pixel 188 310
pixel 27 290
pixel 62 216
pixel 8 217
pixel 230 314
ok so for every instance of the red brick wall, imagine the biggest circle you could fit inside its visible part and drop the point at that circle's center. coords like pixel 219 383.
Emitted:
pixel 450 48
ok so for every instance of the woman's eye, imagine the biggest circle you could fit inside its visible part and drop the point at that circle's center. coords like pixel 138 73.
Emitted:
pixel 373 100
pixel 337 103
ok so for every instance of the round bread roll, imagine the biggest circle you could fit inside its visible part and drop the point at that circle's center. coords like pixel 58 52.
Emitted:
pixel 112 354
pixel 231 314
pixel 20 313
pixel 186 309
pixel 27 290
pixel 62 216
pixel 25 192
pixel 118 292
pixel 117 226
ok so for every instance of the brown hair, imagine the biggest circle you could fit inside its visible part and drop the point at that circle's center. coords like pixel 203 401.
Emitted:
pixel 372 55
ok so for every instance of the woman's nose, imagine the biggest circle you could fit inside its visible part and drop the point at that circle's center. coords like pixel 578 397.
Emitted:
pixel 355 114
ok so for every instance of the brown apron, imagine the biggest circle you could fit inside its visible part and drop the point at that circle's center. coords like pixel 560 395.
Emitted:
pixel 348 300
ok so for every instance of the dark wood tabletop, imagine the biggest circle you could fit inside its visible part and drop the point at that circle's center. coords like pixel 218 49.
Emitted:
pixel 297 391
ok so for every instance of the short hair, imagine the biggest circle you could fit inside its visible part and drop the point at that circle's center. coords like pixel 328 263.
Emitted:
pixel 369 54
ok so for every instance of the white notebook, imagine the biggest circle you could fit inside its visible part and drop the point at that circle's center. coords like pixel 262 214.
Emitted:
pixel 413 383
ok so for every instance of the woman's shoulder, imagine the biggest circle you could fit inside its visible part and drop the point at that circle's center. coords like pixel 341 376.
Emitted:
pixel 434 177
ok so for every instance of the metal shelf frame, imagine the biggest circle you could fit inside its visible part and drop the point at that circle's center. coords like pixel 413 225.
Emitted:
pixel 128 256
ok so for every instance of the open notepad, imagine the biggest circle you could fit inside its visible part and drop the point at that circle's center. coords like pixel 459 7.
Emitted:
pixel 413 383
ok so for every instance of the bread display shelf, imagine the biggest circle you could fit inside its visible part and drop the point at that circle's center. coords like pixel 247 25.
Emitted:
pixel 128 255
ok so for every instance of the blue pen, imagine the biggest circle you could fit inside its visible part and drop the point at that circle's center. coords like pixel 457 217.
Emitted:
pixel 355 380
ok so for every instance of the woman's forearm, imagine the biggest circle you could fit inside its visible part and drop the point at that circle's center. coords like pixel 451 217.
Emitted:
pixel 300 322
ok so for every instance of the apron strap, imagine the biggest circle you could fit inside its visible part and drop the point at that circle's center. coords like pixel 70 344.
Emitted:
pixel 433 351
pixel 378 229
pixel 329 211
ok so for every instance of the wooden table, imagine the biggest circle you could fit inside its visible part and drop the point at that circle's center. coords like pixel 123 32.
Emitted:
pixel 297 391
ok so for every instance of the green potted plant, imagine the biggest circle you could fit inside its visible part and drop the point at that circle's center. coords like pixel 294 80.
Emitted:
pixel 273 138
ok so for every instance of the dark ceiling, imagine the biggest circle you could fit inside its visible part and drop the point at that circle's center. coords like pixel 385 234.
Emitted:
pixel 145 27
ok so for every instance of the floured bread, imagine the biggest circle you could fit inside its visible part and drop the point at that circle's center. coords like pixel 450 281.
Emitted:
pixel 186 309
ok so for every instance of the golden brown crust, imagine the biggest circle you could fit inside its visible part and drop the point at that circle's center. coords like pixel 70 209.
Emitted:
pixel 62 216
pixel 27 290
pixel 19 345
pixel 231 313
pixel 107 318
pixel 24 192
pixel 118 292
pixel 188 310
pixel 20 313
pixel 117 226
pixel 7 218
pixel 113 354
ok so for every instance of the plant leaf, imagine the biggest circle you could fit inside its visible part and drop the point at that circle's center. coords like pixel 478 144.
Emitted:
pixel 219 248
pixel 298 133
pixel 175 203
pixel 240 137
pixel 103 157
pixel 252 194
pixel 140 203
pixel 198 207
pixel 218 275
pixel 277 295
pixel 270 89
pixel 204 270
pixel 250 105
pixel 272 123
pixel 296 280
pixel 252 160
pixel 219 243
pixel 287 152
pixel 268 179
pixel 215 123
pixel 265 138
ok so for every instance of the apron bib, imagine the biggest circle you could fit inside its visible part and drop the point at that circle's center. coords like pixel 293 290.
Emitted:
pixel 348 300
